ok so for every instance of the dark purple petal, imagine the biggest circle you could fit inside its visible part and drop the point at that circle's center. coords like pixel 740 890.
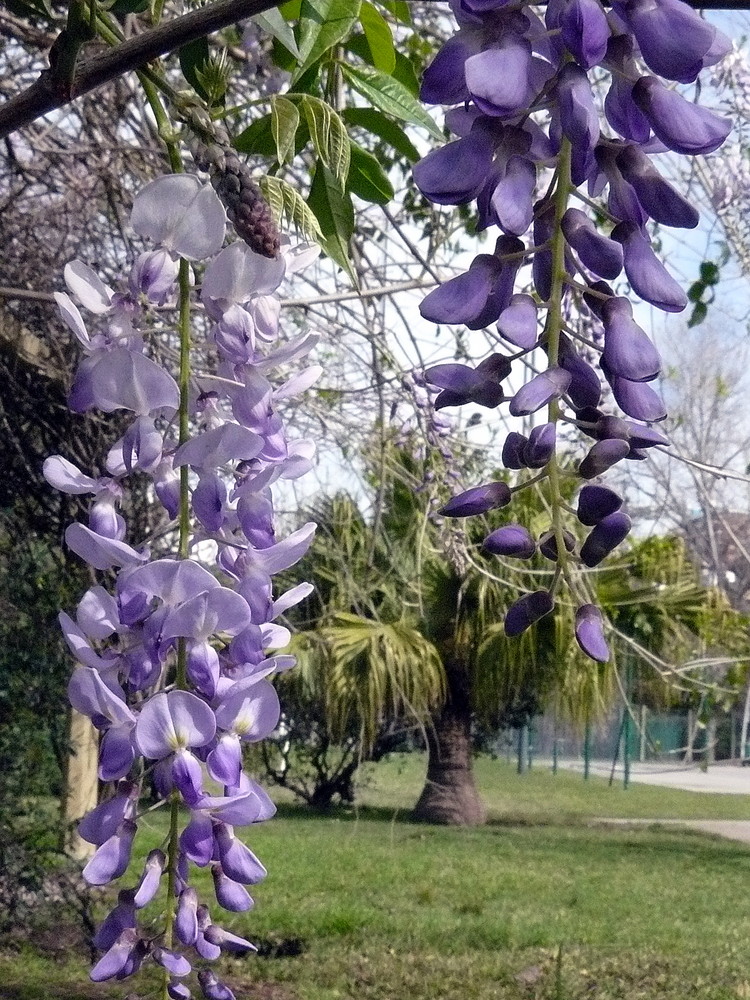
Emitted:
pixel 209 498
pixel 468 298
pixel 527 610
pixel 511 540
pixel 622 200
pixel 579 118
pixel 477 500
pixel 598 253
pixel 443 81
pixel 513 450
pixel 116 752
pixel 455 173
pixel 548 544
pixel 590 633
pixel 585 388
pixel 585 31
pixel 682 126
pixel 120 918
pixel 644 437
pixel 628 352
pixel 540 446
pixel 596 503
pixel 102 822
pixel 605 537
pixel 647 275
pixel 517 324
pixel 178 991
pixel 602 456
pixel 203 668
pixel 540 391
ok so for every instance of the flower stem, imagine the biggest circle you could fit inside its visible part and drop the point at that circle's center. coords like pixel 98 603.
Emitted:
pixel 553 331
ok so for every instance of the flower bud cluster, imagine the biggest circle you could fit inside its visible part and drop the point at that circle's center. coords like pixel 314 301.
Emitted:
pixel 174 659
pixel 521 102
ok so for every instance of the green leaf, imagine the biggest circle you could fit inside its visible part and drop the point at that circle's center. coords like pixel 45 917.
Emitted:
pixel 376 123
pixel 399 9
pixel 276 25
pixel 334 211
pixel 379 39
pixel 367 179
pixel 193 57
pixel 323 24
pixel 122 7
pixel 390 96
pixel 287 203
pixel 406 74
pixel 700 311
pixel 329 136
pixel 709 273
pixel 291 10
pixel 30 8
pixel 284 123
pixel 257 139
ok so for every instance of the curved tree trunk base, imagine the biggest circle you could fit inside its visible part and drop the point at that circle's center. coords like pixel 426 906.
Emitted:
pixel 450 800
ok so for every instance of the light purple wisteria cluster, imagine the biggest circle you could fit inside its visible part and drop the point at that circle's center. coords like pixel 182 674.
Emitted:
pixel 522 94
pixel 174 658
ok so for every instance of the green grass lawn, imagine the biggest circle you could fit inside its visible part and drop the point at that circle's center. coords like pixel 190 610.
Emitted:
pixel 382 909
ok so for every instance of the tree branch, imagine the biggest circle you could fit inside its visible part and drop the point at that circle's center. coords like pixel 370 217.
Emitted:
pixel 41 97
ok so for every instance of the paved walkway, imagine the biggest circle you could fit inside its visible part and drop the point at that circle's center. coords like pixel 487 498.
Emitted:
pixel 725 779
pixel 732 829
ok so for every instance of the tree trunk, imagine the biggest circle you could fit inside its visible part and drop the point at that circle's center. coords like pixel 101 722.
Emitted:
pixel 450 795
pixel 81 783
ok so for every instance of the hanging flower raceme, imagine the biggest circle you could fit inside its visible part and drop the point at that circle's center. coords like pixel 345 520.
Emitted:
pixel 521 99
pixel 173 656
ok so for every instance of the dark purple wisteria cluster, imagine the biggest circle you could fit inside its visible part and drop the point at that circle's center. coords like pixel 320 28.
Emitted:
pixel 174 657
pixel 522 89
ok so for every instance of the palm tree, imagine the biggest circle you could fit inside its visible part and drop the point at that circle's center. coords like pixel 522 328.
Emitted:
pixel 408 618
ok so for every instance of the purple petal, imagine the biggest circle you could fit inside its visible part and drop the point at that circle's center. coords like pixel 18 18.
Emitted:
pixel 518 323
pixel 102 822
pixel 148 886
pixel 172 581
pixel 114 960
pixel 213 449
pixel 548 544
pixel 188 776
pixel 231 895
pixel 585 388
pixel 98 551
pixel 197 840
pixel 513 450
pixel 682 126
pixel 128 380
pixel 172 961
pixel 605 536
pixel 673 39
pixel 116 921
pixel 88 287
pixel 252 714
pixel 596 503
pixel 89 695
pixel 637 399
pixel 203 668
pixel 97 613
pixel 540 447
pixel 182 215
pixel 499 79
pixel 599 254
pixel 602 456
pixel 186 921
pixel 478 500
pixel 116 752
pixel 224 939
pixel 628 352
pixel 526 611
pixel 647 275
pixel 512 199
pixel 443 81
pixel 113 857
pixel 172 721
pixel 539 391
pixel 585 31
pixel 212 988
pixel 64 476
pixel 468 298
pixel 454 174
pixel 237 860
pixel 224 763
pixel 663 203
pixel 207 614
pixel 590 633
pixel 511 540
